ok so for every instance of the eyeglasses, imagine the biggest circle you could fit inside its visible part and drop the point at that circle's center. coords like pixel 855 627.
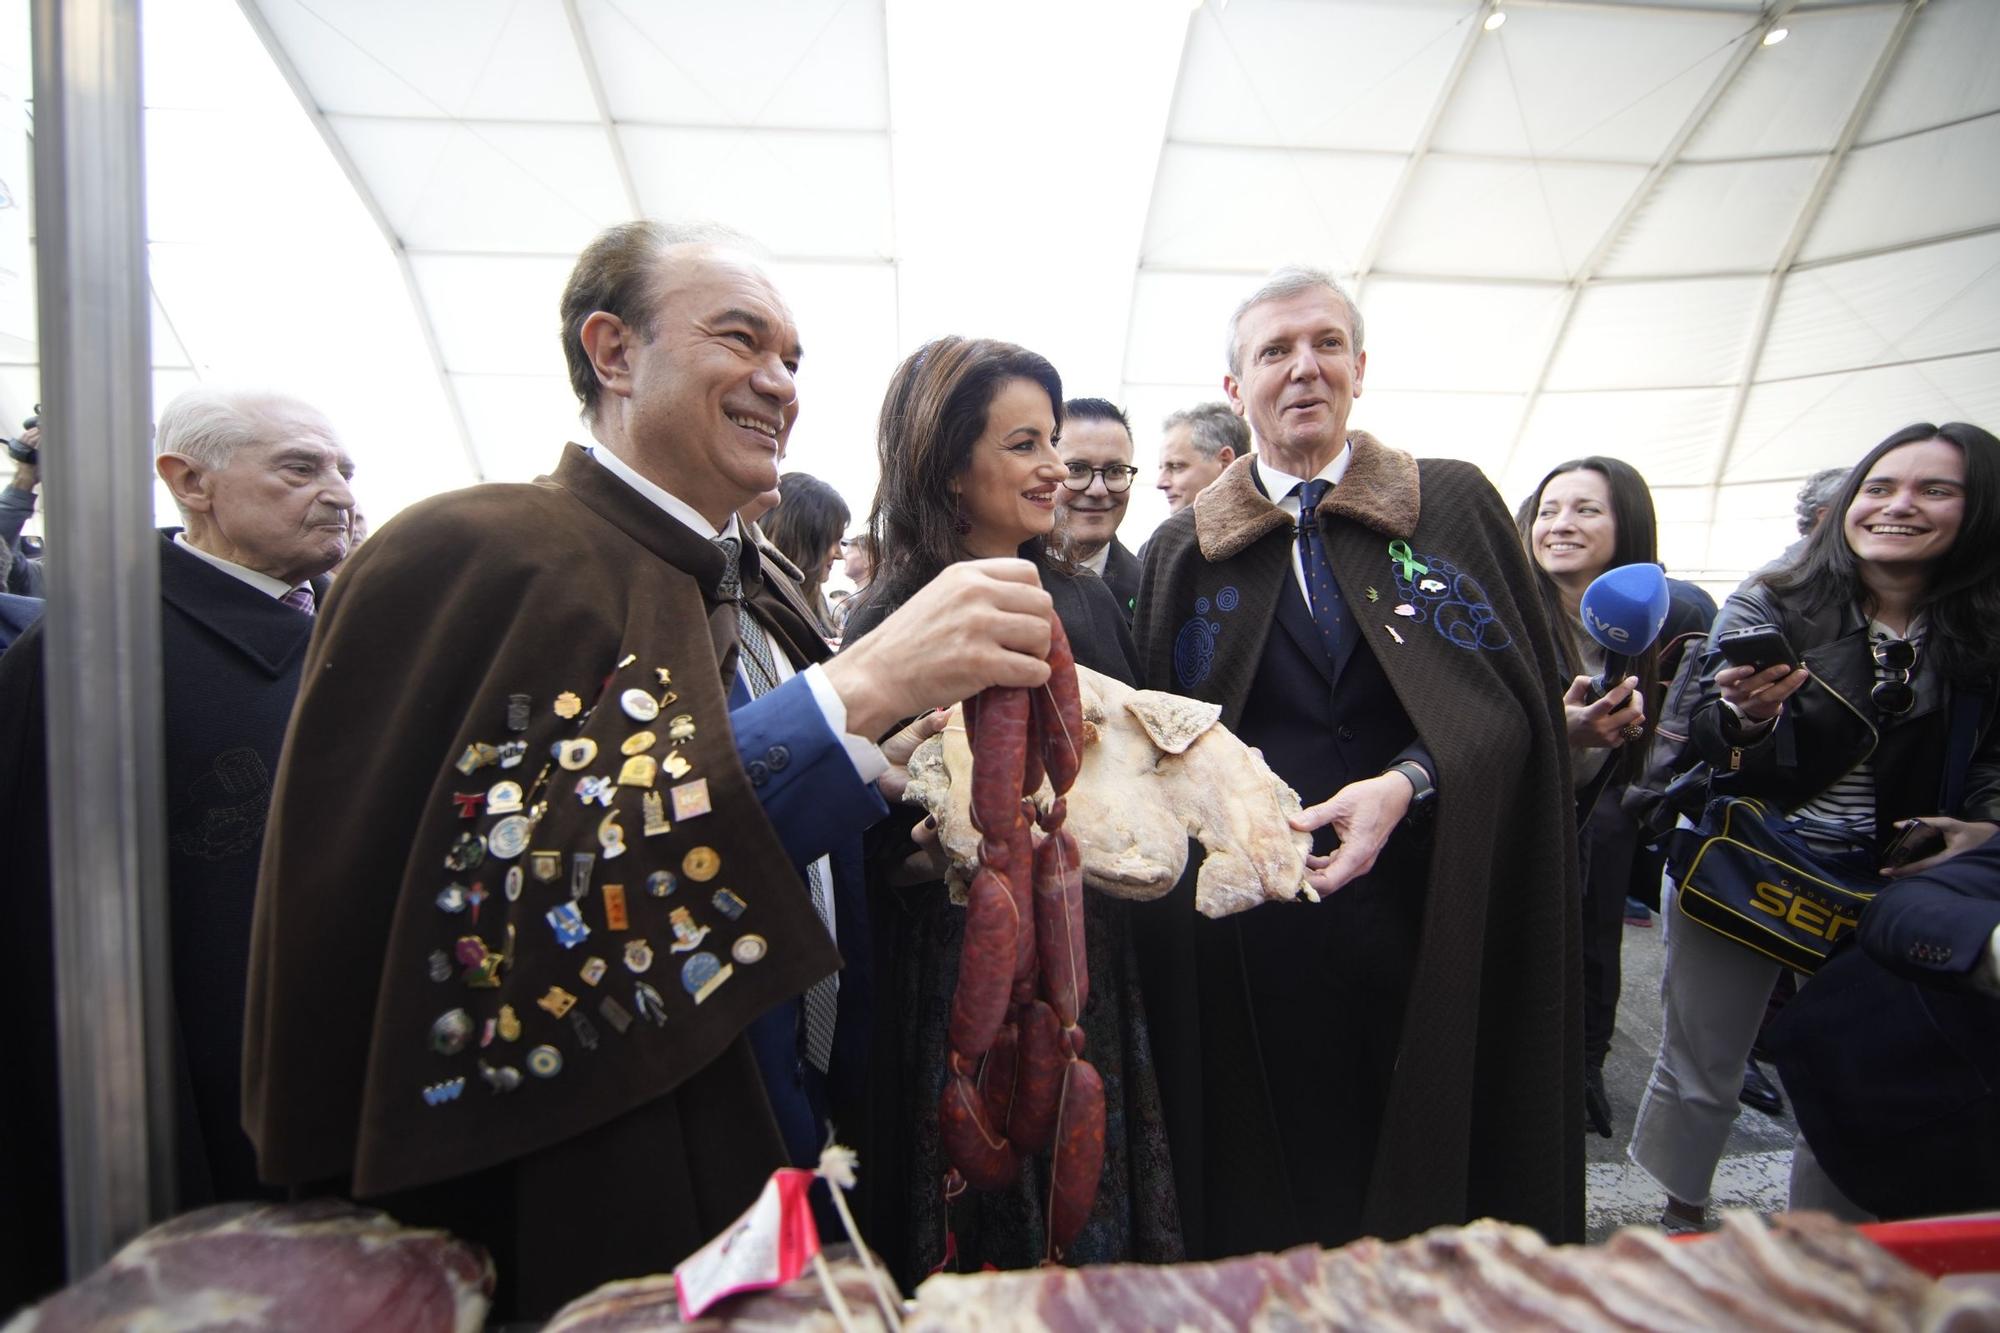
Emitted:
pixel 1117 476
pixel 1894 697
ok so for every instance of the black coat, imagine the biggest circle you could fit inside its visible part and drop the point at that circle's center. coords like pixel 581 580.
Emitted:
pixel 1830 725
pixel 231 657
pixel 1892 1055
pixel 1407 1053
pixel 1121 575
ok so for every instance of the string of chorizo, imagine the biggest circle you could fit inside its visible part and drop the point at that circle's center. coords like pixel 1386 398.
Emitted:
pixel 1016 1082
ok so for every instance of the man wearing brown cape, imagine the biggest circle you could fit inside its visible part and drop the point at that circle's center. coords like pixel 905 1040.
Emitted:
pixel 1404 1053
pixel 549 932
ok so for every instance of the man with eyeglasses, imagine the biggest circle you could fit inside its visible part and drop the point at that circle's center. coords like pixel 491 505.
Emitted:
pixel 1096 447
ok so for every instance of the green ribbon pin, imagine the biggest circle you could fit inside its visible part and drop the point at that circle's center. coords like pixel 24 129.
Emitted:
pixel 1399 551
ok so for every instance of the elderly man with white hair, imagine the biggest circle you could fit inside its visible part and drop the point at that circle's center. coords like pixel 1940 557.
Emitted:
pixel 262 485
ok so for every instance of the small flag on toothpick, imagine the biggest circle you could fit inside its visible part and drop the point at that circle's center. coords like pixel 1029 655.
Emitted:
pixel 768 1246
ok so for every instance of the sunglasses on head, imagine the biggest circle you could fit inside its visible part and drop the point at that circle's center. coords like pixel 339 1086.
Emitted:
pixel 1895 696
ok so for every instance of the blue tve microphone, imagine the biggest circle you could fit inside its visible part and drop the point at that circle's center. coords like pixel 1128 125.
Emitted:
pixel 1624 609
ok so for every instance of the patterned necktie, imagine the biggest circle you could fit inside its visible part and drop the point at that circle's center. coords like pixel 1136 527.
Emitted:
pixel 1328 608
pixel 300 598
pixel 760 675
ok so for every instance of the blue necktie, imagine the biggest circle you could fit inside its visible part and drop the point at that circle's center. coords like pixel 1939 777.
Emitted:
pixel 1328 608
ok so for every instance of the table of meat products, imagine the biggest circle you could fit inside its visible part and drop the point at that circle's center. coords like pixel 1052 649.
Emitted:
pixel 329 1265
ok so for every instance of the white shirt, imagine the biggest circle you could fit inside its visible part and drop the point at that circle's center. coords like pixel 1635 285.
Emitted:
pixel 1278 485
pixel 264 583
pixel 868 760
pixel 867 757
pixel 1095 561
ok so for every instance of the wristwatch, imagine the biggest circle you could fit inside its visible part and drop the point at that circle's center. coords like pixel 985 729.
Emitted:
pixel 1423 792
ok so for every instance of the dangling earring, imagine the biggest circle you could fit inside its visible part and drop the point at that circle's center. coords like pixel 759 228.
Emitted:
pixel 960 524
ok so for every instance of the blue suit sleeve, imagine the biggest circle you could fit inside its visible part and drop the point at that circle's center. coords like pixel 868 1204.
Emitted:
pixel 1934 926
pixel 801 773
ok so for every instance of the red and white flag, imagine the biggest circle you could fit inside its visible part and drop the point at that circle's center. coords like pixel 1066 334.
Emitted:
pixel 768 1246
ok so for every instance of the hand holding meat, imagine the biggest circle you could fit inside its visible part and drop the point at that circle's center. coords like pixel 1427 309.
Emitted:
pixel 980 623
pixel 1157 769
pixel 1363 815
pixel 899 747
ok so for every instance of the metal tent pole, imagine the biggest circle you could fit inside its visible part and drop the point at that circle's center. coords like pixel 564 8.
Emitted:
pixel 106 825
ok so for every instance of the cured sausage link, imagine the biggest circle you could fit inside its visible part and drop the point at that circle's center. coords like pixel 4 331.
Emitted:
pixel 997 1076
pixel 1038 1079
pixel 985 965
pixel 985 1159
pixel 1020 861
pixel 1059 710
pixel 1079 1156
pixel 999 759
pixel 1059 925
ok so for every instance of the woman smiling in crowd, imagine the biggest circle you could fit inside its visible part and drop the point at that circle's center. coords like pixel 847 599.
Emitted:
pixel 969 469
pixel 1892 611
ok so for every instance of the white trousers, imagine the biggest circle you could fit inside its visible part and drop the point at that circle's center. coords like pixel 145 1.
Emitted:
pixel 1712 994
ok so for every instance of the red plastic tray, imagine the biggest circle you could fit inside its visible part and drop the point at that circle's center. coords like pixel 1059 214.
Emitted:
pixel 1942 1245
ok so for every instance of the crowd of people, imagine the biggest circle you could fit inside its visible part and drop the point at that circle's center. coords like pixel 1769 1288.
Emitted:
pixel 546 876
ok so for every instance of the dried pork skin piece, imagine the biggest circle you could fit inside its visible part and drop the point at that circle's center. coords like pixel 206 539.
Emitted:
pixel 1156 771
pixel 236 1267
pixel 1806 1271
pixel 641 1305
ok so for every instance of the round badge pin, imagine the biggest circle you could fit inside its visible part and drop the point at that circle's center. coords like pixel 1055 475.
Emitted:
pixel 575 754
pixel 544 1062
pixel 701 864
pixel 638 743
pixel 749 949
pixel 639 705
pixel 451 1032
pixel 503 798
pixel 508 838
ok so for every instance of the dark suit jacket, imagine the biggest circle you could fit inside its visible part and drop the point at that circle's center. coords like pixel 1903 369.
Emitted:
pixel 1408 1052
pixel 231 657
pixel 1121 575
pixel 1892 1055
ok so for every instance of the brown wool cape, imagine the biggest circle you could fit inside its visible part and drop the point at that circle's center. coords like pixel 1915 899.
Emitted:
pixel 1484 1111
pixel 456 606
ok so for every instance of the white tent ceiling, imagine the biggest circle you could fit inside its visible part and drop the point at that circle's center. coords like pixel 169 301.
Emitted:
pixel 1625 228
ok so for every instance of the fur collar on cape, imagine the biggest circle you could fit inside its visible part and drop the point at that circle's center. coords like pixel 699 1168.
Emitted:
pixel 1379 491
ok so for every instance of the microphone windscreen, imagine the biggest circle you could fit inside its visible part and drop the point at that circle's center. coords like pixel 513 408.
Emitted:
pixel 1625 608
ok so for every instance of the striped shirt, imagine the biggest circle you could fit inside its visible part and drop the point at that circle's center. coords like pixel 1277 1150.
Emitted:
pixel 1850 802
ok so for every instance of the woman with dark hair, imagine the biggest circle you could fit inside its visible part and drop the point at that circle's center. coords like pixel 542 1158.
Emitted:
pixel 806 527
pixel 1587 516
pixel 1590 515
pixel 1889 720
pixel 969 470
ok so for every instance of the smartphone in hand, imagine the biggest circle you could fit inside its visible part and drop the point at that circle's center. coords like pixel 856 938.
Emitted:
pixel 1757 646
pixel 1914 841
